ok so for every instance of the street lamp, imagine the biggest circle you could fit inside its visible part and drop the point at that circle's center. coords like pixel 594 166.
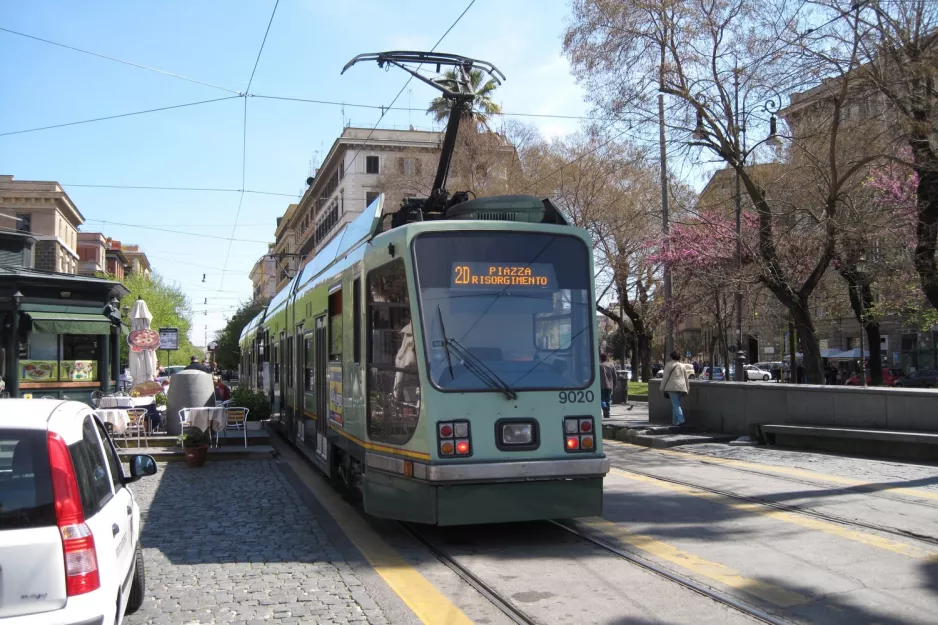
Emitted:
pixel 860 271
pixel 770 106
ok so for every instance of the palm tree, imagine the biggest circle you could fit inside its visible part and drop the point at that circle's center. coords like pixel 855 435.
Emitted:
pixel 482 106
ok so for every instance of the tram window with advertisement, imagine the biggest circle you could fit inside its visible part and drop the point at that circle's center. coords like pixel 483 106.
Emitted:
pixel 393 385
pixel 310 364
pixel 518 303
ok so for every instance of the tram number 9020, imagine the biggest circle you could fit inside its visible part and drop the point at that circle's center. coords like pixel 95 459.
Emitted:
pixel 576 397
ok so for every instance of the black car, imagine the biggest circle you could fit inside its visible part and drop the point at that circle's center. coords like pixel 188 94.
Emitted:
pixel 923 378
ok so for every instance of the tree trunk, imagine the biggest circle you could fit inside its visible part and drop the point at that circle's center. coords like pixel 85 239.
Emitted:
pixel 810 346
pixel 644 349
pixel 926 230
pixel 871 327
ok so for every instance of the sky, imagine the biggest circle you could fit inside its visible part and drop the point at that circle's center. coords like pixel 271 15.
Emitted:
pixel 190 233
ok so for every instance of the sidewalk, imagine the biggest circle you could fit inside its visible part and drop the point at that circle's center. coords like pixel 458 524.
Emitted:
pixel 633 426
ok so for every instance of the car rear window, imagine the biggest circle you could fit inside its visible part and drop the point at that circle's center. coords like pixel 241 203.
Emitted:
pixel 25 481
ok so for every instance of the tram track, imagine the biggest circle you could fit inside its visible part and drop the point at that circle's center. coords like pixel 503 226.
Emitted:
pixel 516 615
pixel 503 604
pixel 782 507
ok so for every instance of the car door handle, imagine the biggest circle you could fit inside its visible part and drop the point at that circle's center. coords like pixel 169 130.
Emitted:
pixel 115 530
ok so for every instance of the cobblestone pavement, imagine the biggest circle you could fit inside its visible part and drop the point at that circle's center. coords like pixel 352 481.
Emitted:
pixel 232 542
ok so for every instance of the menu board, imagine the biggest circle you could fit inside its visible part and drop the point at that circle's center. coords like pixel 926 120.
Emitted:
pixel 39 370
pixel 78 370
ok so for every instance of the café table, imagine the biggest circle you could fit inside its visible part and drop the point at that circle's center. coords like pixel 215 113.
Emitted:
pixel 211 419
pixel 117 417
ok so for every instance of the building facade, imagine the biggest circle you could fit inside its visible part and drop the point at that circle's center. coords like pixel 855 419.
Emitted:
pixel 353 174
pixel 284 251
pixel 264 278
pixel 44 211
pixel 92 253
pixel 137 261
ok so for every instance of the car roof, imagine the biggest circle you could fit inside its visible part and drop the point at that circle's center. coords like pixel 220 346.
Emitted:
pixel 28 414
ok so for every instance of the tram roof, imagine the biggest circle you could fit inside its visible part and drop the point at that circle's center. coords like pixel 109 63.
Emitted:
pixel 253 323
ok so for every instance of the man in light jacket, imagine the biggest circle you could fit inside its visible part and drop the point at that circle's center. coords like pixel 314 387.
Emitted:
pixel 674 385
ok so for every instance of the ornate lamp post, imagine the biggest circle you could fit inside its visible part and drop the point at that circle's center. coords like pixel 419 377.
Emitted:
pixel 861 276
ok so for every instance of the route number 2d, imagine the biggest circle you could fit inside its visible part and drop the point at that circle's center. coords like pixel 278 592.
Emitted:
pixel 576 397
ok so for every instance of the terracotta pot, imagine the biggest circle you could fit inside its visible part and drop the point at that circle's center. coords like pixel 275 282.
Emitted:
pixel 195 456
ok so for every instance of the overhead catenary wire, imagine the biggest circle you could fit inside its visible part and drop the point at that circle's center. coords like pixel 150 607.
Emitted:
pixel 123 62
pixel 171 231
pixel 244 143
pixel 187 189
pixel 118 116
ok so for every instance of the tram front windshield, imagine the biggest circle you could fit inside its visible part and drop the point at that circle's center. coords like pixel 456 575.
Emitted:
pixel 510 306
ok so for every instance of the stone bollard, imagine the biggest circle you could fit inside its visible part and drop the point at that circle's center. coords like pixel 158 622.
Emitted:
pixel 187 389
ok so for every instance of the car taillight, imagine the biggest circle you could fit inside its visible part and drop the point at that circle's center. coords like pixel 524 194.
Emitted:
pixel 81 562
pixel 578 434
pixel 453 438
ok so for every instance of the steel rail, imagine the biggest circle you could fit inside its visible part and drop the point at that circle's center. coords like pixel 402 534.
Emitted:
pixel 691 584
pixel 504 605
pixel 931 540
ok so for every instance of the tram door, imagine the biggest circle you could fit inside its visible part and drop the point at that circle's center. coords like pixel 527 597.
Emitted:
pixel 281 378
pixel 296 383
pixel 322 393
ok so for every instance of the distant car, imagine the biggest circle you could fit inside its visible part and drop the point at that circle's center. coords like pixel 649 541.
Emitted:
pixel 890 378
pixel 719 374
pixel 754 373
pixel 69 526
pixel 689 368
pixel 169 371
pixel 923 378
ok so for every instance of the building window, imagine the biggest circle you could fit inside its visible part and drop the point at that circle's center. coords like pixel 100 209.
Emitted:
pixel 24 222
pixel 371 164
pixel 370 196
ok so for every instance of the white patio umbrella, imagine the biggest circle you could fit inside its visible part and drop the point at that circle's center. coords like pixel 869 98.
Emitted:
pixel 143 364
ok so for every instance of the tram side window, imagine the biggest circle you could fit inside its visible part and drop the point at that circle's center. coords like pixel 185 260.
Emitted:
pixel 357 320
pixel 289 362
pixel 310 361
pixel 393 385
pixel 335 326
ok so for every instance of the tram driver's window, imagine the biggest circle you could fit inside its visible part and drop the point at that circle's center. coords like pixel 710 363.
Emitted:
pixel 393 388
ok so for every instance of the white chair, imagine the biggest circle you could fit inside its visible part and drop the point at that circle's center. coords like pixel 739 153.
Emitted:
pixel 137 423
pixel 96 399
pixel 184 421
pixel 237 421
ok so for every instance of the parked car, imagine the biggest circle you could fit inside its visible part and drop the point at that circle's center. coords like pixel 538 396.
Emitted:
pixel 890 378
pixel 754 373
pixel 169 371
pixel 69 526
pixel 719 374
pixel 923 378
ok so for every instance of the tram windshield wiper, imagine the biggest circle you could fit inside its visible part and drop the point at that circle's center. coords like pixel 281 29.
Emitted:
pixel 480 369
pixel 449 359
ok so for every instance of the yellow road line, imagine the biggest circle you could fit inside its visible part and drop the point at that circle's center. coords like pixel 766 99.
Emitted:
pixel 794 472
pixel 789 517
pixel 428 603
pixel 711 570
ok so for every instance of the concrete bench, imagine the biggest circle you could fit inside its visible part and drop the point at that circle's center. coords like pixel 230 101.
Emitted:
pixel 893 443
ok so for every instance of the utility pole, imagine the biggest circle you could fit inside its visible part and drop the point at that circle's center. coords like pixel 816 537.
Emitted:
pixel 669 323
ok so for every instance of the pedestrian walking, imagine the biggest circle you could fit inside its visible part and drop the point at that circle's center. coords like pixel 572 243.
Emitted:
pixel 607 382
pixel 674 385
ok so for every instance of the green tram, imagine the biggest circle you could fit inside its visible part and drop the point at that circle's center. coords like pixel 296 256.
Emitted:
pixel 445 367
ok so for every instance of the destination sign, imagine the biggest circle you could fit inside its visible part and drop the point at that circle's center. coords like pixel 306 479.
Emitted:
pixel 467 275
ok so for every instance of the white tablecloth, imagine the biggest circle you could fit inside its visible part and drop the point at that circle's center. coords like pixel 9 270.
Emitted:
pixel 201 417
pixel 125 402
pixel 117 417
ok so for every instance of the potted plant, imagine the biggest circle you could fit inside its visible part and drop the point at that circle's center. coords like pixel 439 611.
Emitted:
pixel 195 445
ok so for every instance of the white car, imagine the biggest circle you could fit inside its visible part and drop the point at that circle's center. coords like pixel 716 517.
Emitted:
pixel 69 527
pixel 755 373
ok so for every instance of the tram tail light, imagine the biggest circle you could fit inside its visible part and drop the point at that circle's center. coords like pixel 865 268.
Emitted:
pixel 453 438
pixel 579 434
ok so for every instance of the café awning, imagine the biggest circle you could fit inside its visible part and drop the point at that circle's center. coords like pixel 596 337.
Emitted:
pixel 69 323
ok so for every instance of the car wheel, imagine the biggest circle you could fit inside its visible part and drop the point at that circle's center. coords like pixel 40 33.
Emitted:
pixel 139 586
pixel 765 378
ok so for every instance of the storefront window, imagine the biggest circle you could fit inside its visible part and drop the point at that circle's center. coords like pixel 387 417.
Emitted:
pixel 43 346
pixel 79 347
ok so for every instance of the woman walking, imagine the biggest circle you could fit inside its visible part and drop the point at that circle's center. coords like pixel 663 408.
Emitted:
pixel 674 385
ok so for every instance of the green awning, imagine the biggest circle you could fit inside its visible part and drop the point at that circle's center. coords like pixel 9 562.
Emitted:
pixel 69 323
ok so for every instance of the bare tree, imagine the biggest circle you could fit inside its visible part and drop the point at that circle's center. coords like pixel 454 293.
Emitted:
pixel 715 61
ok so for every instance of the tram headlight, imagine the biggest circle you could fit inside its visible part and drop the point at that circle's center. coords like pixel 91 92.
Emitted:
pixel 517 433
